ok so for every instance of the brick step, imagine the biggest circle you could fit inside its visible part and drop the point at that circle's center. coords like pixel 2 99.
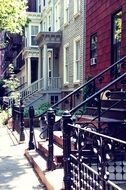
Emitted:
pixel 58 139
pixel 58 152
pixel 110 102
pixel 104 121
pixel 118 95
pixel 114 113
pixel 53 180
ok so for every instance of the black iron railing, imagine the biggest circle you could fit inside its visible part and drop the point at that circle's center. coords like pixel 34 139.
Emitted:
pixel 87 91
pixel 18 119
pixel 89 170
pixel 96 85
pixel 89 88
pixel 96 159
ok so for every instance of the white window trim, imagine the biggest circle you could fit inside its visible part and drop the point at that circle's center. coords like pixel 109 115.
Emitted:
pixel 64 75
pixel 57 16
pixel 76 10
pixel 76 6
pixel 66 6
pixel 49 21
pixel 30 33
pixel 39 6
pixel 74 64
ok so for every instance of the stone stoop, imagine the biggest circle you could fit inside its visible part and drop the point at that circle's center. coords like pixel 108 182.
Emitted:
pixel 53 180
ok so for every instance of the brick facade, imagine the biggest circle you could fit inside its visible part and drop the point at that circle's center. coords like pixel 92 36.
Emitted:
pixel 99 20
pixel 71 31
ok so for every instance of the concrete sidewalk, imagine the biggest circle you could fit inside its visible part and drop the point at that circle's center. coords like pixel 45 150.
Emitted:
pixel 15 171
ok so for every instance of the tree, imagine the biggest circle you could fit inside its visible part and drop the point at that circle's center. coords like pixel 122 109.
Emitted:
pixel 13 15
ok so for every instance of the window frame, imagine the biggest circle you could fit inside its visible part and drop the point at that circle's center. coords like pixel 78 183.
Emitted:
pixel 57 16
pixel 76 7
pixel 33 25
pixel 93 50
pixel 66 12
pixel 115 44
pixel 66 63
pixel 77 62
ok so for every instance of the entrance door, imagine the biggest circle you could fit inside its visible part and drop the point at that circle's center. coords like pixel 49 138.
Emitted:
pixel 50 68
pixel 34 69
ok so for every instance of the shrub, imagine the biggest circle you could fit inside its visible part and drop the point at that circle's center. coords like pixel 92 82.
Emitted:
pixel 41 109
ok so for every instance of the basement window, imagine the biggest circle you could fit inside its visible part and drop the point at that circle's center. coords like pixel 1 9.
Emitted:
pixel 54 99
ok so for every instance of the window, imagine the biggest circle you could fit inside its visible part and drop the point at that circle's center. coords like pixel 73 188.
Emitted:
pixel 54 99
pixel 93 49
pixel 57 16
pixel 49 23
pixel 116 35
pixel 45 25
pixel 66 63
pixel 76 6
pixel 34 32
pixel 39 4
pixel 43 2
pixel 50 63
pixel 66 11
pixel 77 60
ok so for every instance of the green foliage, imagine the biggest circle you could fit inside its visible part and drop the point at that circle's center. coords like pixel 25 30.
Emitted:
pixel 13 15
pixel 12 83
pixel 41 109
pixel 2 89
pixel 4 115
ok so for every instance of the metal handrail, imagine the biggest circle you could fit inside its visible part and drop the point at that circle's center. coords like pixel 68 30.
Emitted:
pixel 25 92
pixel 98 92
pixel 121 61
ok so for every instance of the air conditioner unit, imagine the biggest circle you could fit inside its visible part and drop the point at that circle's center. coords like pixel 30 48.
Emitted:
pixel 93 61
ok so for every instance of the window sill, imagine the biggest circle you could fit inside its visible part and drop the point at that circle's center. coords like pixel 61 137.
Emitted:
pixel 66 24
pixel 66 85
pixel 77 14
pixel 77 84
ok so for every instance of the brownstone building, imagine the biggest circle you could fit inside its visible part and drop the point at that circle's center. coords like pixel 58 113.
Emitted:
pixel 105 34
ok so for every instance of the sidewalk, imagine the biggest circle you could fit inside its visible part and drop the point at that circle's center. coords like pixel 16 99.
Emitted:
pixel 15 170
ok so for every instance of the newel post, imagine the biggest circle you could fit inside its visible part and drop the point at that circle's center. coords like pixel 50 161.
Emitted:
pixel 66 149
pixel 22 135
pixel 13 115
pixel 31 136
pixel 51 121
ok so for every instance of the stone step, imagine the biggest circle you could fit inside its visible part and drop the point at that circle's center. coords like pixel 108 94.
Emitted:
pixel 58 152
pixel 58 139
pixel 53 180
pixel 118 95
pixel 111 102
pixel 114 113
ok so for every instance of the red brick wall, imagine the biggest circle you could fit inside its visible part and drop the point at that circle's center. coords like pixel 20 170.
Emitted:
pixel 98 19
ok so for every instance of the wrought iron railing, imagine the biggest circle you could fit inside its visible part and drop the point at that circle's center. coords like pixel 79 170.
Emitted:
pixel 34 87
pixel 54 83
pixel 96 86
pixel 18 119
pixel 96 159
pixel 91 86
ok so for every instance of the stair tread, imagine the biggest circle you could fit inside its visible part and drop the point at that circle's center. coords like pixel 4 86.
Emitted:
pixel 113 109
pixel 103 119
pixel 57 150
pixel 113 99
pixel 48 178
